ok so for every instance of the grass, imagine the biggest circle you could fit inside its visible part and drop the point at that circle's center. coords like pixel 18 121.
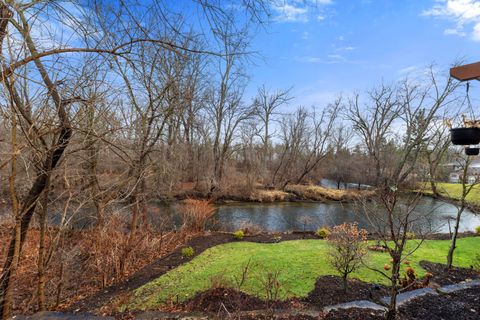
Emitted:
pixel 320 193
pixel 300 263
pixel 270 196
pixel 454 191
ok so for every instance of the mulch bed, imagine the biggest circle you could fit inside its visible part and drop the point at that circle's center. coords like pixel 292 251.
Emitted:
pixel 329 291
pixel 231 300
pixel 443 277
pixel 460 305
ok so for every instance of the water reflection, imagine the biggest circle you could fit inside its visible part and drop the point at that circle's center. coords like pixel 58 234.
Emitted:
pixel 297 216
pixel 286 216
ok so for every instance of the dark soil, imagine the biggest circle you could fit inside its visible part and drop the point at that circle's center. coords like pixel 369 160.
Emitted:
pixel 221 299
pixel 443 277
pixel 329 291
pixel 460 305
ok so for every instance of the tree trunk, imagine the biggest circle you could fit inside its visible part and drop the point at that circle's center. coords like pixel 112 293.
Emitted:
pixel 345 283
pixel 41 250
pixel 392 307
pixel 454 238
pixel 26 213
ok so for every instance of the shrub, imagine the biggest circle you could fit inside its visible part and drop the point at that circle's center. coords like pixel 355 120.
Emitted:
pixel 188 252
pixel 409 278
pixel 348 248
pixel 239 234
pixel 426 279
pixel 477 229
pixel 195 214
pixel 251 228
pixel 277 239
pixel 410 235
pixel 322 233
pixel 272 285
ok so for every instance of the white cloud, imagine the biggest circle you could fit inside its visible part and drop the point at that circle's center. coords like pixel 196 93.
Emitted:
pixel 454 32
pixel 347 48
pixel 291 13
pixel 476 32
pixel 408 70
pixel 297 10
pixel 465 14
pixel 329 59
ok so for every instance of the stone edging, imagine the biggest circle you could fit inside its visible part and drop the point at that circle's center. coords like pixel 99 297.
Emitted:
pixel 405 297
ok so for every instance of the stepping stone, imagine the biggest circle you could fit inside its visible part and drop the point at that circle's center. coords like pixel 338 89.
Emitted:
pixel 459 286
pixel 409 295
pixel 360 304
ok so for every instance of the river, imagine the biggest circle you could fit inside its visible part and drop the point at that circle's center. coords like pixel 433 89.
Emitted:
pixel 288 216
pixel 297 215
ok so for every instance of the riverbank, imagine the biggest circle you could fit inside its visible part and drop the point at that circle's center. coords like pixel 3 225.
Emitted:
pixel 291 193
pixel 451 193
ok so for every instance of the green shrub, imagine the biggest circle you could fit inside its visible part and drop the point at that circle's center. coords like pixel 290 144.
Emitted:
pixel 322 233
pixel 188 252
pixel 477 229
pixel 277 239
pixel 239 234
pixel 410 235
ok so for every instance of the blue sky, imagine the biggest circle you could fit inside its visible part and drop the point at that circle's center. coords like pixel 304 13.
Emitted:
pixel 344 46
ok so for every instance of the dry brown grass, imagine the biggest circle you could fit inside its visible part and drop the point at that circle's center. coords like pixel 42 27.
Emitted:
pixel 318 193
pixel 270 196
pixel 84 262
pixel 196 214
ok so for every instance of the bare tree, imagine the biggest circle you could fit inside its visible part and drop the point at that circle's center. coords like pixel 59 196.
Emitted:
pixel 306 141
pixel 374 123
pixel 394 216
pixel 461 204
pixel 267 105
pixel 437 152
pixel 225 106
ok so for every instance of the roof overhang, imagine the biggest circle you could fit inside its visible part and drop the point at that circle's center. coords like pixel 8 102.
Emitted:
pixel 466 72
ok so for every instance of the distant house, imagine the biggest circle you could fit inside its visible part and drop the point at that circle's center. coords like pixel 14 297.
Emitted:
pixel 456 171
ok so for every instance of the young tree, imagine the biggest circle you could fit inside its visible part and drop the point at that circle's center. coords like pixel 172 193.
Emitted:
pixel 348 248
pixel 393 213
pixel 461 203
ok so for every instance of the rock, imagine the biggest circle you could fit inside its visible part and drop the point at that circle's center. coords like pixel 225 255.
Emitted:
pixel 459 286
pixel 360 304
pixel 409 295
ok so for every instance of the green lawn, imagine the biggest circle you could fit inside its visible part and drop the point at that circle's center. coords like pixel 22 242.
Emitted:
pixel 299 262
pixel 454 191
